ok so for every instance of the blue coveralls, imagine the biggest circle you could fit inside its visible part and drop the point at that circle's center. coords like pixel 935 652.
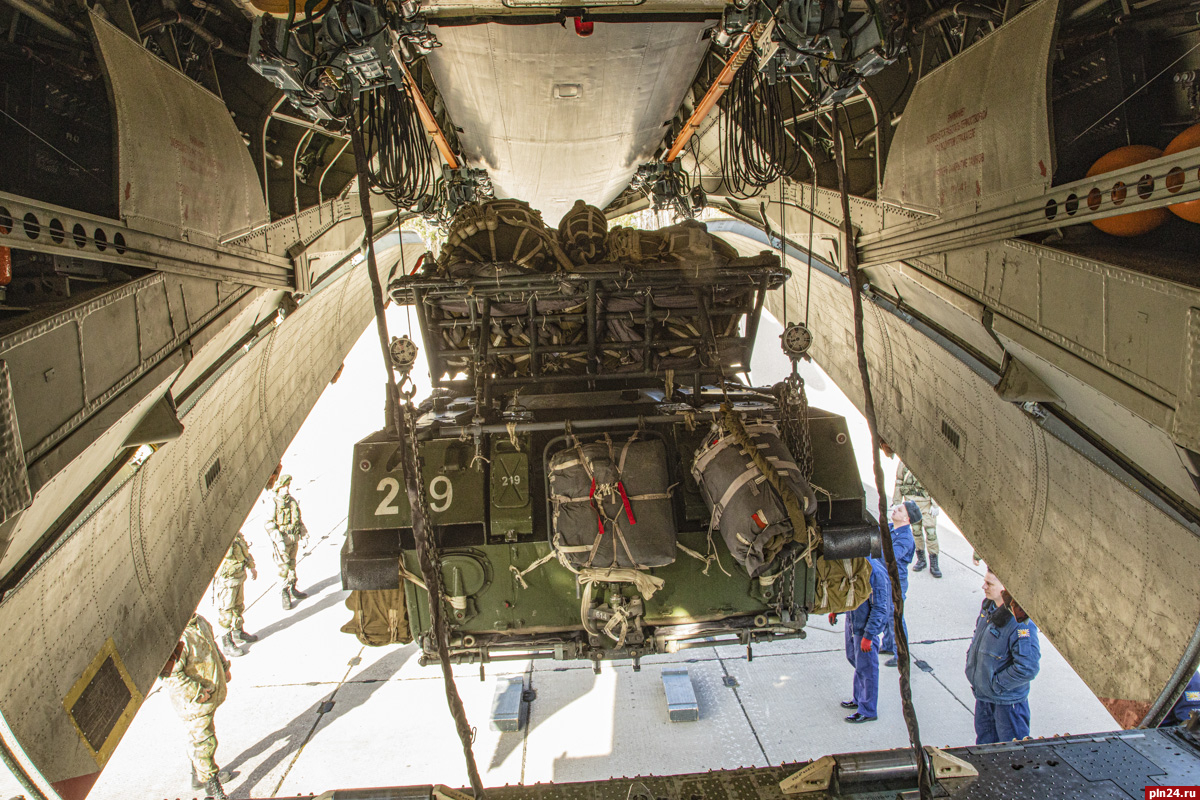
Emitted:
pixel 1188 702
pixel 904 546
pixel 1001 661
pixel 868 621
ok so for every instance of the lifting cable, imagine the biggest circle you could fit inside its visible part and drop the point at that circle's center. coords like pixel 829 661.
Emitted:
pixel 427 552
pixel 856 287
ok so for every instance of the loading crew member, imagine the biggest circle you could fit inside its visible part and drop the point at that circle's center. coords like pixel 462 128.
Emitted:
pixel 909 488
pixel 863 626
pixel 231 596
pixel 903 546
pixel 1001 661
pixel 195 676
pixel 286 528
pixel 1188 702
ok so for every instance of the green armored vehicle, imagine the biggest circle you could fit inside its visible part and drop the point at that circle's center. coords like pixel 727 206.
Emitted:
pixel 600 483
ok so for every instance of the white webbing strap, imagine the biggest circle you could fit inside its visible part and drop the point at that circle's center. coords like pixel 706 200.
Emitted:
pixel 519 574
pixel 750 474
pixel 646 583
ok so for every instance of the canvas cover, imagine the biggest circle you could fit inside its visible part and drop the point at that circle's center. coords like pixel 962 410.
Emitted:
pixel 380 617
pixel 746 508
pixel 611 504
pixel 843 584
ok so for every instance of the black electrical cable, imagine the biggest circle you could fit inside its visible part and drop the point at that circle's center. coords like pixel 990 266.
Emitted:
pixel 754 148
pixel 402 169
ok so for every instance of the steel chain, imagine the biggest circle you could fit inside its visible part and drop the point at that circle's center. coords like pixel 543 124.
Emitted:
pixel 793 419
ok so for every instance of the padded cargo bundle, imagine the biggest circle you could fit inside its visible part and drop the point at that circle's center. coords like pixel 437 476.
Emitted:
pixel 747 508
pixel 380 617
pixel 611 504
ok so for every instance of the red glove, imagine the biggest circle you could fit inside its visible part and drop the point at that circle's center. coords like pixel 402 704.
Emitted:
pixel 865 645
pixel 833 618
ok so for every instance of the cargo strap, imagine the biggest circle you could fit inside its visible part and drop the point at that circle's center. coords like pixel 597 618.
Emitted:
pixel 708 560
pixel 801 532
pixel 645 583
pixel 457 602
pixel 519 574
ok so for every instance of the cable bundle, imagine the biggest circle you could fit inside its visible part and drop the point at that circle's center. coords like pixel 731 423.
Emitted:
pixel 754 148
pixel 402 168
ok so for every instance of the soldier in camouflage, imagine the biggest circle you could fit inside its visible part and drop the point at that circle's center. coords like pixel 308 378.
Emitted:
pixel 231 598
pixel 909 488
pixel 286 529
pixel 196 677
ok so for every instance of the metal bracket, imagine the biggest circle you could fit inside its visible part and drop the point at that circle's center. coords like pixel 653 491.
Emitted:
pixel 946 766
pixel 1152 184
pixel 816 777
pixel 27 224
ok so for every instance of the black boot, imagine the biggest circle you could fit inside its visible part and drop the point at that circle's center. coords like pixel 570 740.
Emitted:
pixel 287 599
pixel 933 567
pixel 241 637
pixel 920 565
pixel 214 789
pixel 230 647
pixel 296 593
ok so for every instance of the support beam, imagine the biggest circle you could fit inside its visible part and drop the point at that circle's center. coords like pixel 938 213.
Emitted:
pixel 27 224
pixel 715 93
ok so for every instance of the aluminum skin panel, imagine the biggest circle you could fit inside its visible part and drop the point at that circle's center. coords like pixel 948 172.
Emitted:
pixel 976 131
pixel 136 568
pixel 183 169
pixel 14 481
pixel 1107 576
pixel 554 116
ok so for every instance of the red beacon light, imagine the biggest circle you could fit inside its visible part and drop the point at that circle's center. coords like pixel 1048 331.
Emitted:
pixel 584 27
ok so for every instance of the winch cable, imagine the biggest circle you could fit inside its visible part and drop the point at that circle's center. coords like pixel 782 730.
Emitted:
pixel 856 286
pixel 812 216
pixel 427 552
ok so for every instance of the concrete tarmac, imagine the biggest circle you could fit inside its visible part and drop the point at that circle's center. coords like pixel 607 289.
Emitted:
pixel 310 709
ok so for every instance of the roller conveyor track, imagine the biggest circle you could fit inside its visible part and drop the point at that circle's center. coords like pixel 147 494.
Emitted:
pixel 1118 765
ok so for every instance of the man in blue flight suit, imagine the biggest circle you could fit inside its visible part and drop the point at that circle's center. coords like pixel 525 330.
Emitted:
pixel 903 545
pixel 1001 661
pixel 1188 702
pixel 863 626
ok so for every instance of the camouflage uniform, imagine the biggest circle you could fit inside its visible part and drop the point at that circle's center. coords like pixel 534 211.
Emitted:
pixel 909 488
pixel 286 529
pixel 200 667
pixel 231 578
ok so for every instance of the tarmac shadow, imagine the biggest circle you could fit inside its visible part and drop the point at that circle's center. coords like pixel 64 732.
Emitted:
pixel 305 610
pixel 286 742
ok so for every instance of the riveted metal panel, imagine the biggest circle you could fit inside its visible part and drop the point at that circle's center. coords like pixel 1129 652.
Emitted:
pixel 976 130
pixel 47 381
pixel 153 319
pixel 537 86
pixel 1070 299
pixel 14 481
pixel 109 340
pixel 1142 331
pixel 1020 287
pixel 183 169
pixel 199 297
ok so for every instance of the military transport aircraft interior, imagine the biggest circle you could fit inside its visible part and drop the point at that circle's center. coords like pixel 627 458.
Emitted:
pixel 980 218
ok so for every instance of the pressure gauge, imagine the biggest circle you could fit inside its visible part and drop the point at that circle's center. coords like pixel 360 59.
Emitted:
pixel 404 353
pixel 796 339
